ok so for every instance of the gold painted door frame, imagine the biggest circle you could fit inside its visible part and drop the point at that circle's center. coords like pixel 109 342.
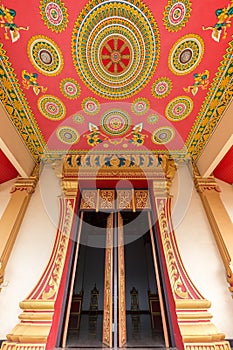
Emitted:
pixel 108 284
pixel 121 284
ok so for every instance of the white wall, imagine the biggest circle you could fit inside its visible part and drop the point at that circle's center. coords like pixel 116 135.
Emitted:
pixel 199 252
pixel 31 251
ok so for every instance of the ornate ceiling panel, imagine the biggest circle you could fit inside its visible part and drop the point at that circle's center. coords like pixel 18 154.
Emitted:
pixel 116 75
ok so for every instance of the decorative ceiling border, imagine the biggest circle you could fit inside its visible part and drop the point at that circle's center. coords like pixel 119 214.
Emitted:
pixel 216 102
pixel 17 108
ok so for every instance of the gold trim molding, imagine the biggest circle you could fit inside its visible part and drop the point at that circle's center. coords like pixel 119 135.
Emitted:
pixel 194 319
pixel 36 320
pixel 12 218
pixel 219 220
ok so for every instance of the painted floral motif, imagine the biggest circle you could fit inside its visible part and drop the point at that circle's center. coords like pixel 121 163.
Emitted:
pixel 70 88
pixel 224 16
pixel 176 14
pixel 115 122
pixel 186 54
pixel 51 107
pixel 67 135
pixel 95 137
pixel 54 14
pixel 90 105
pixel 137 138
pixel 201 80
pixel 7 21
pixel 179 108
pixel 30 80
pixel 45 55
pixel 161 87
pixel 163 135
pixel 140 105
pixel 113 54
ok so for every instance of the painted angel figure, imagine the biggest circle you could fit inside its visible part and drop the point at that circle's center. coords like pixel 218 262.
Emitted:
pixel 7 17
pixel 224 21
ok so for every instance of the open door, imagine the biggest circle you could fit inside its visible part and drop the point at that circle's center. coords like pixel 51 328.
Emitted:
pixel 116 297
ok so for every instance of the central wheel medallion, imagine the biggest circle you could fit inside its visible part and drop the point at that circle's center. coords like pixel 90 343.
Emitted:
pixel 116 55
pixel 112 52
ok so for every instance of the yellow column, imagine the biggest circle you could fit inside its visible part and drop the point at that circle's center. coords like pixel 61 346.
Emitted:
pixel 194 319
pixel 38 309
pixel 13 216
pixel 219 220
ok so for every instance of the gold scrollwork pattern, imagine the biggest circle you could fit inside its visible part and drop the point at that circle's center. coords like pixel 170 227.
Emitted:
pixel 124 199
pixel 89 199
pixel 142 199
pixel 56 274
pixel 106 199
pixel 178 285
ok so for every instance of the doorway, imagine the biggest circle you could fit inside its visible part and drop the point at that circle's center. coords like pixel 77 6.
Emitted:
pixel 115 298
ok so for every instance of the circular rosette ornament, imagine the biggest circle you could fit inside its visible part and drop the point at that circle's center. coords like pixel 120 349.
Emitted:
pixel 112 52
pixel 45 55
pixel 153 119
pixel 54 14
pixel 51 107
pixel 161 87
pixel 78 118
pixel 140 106
pixel 176 14
pixel 90 105
pixel 186 54
pixel 67 135
pixel 115 122
pixel 179 108
pixel 163 135
pixel 70 88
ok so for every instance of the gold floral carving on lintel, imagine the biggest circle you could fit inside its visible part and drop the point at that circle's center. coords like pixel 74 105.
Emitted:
pixel 105 199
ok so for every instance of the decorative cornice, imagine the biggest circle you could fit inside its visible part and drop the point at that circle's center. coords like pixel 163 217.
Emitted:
pixel 206 184
pixel 130 166
pixel 70 186
pixel 25 184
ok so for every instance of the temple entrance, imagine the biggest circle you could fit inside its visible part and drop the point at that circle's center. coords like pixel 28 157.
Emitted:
pixel 115 295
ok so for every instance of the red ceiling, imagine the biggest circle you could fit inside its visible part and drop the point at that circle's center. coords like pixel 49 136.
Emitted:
pixel 224 170
pixel 171 118
pixel 8 171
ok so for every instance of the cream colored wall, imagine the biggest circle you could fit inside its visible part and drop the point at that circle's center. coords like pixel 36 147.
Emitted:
pixel 226 196
pixel 5 189
pixel 199 251
pixel 31 251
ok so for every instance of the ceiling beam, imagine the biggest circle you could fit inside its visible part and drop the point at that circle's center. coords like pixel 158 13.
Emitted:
pixel 219 144
pixel 13 146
